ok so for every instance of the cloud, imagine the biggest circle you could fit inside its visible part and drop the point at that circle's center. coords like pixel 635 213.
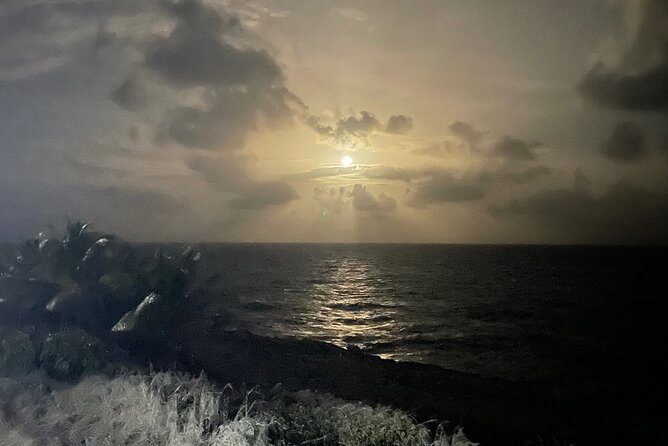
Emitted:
pixel 353 131
pixel 211 86
pixel 441 149
pixel 443 187
pixel 503 175
pixel 481 177
pixel 430 185
pixel 204 84
pixel 146 201
pixel 365 123
pixel 194 53
pixel 130 95
pixel 38 38
pixel 225 125
pixel 352 14
pixel 516 149
pixel 331 201
pixel 467 142
pixel 326 172
pixel 127 209
pixel 626 144
pixel 399 124
pixel 227 173
pixel 640 79
pixel 467 133
pixel 623 213
pixel 381 172
pixel 263 194
pixel 363 200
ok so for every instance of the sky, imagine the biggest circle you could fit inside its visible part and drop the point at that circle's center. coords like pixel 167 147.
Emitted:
pixel 523 121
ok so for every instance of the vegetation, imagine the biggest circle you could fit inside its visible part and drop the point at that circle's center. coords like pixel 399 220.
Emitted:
pixel 171 409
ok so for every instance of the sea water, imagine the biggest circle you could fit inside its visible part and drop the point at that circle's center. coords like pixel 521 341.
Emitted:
pixel 530 313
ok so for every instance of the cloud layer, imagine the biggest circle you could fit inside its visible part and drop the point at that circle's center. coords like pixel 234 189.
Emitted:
pixel 640 80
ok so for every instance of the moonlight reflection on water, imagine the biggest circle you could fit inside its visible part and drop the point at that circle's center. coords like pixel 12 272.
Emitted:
pixel 345 306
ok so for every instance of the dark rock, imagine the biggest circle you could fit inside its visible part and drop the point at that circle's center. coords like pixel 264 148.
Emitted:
pixel 80 306
pixel 150 320
pixel 68 354
pixel 21 298
pixel 96 260
pixel 17 353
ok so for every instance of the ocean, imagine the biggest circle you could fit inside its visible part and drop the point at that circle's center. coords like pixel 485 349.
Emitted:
pixel 568 315
pixel 580 328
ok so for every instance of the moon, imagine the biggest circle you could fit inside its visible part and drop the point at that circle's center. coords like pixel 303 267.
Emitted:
pixel 346 161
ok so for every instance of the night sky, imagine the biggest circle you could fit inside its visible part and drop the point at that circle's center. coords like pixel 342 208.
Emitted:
pixel 522 121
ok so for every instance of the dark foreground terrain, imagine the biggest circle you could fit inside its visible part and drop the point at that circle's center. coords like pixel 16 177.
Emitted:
pixel 123 299
pixel 494 411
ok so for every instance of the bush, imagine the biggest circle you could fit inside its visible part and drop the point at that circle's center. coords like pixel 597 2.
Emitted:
pixel 168 409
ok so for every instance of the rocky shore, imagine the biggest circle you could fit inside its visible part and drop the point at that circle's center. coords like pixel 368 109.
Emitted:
pixel 494 411
pixel 87 304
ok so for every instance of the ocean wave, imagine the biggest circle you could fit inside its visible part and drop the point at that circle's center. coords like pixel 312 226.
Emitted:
pixel 360 306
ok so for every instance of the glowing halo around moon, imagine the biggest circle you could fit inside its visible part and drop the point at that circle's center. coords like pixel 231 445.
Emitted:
pixel 346 161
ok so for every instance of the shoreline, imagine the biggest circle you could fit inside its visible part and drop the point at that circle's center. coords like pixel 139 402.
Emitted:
pixel 492 410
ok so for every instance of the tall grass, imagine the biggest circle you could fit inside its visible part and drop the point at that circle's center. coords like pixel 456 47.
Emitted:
pixel 168 409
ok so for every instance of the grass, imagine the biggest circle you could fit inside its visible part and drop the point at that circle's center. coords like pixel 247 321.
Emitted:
pixel 169 409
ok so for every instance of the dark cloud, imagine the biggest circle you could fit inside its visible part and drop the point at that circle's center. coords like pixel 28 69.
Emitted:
pixel 443 187
pixel 623 213
pixel 363 200
pixel 399 124
pixel 129 95
pixel 381 172
pixel 194 53
pixel 38 38
pixel 141 200
pixel 354 131
pixel 430 185
pixel 646 91
pixel 512 176
pixel 626 144
pixel 640 82
pixel 227 173
pixel 263 194
pixel 466 132
pixel 516 149
pixel 436 150
pixel 227 123
pixel 207 56
pixel 355 125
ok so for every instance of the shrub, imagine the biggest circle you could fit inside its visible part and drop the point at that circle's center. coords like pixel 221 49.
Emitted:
pixel 168 409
